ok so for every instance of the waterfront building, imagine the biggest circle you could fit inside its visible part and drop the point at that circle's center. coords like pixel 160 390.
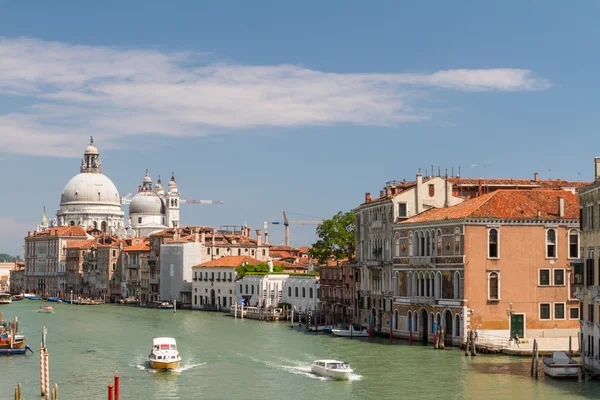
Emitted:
pixel 90 199
pixel 498 263
pixel 45 258
pixel 338 284
pixel 135 283
pixel 587 272
pixel 214 282
pixel 375 220
pixel 76 252
pixel 5 269
pixel 17 278
pixel 261 290
pixel 301 292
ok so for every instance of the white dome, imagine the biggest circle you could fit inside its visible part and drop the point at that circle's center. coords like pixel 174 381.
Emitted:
pixel 91 149
pixel 146 202
pixel 90 188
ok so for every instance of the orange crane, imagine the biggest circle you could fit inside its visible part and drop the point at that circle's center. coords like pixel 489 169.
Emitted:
pixel 287 223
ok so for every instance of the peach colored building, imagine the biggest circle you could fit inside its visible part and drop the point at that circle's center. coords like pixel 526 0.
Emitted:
pixel 498 263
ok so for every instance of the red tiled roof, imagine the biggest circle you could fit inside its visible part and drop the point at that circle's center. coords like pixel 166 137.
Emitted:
pixel 556 184
pixel 229 262
pixel 507 204
pixel 82 244
pixel 63 231
pixel 141 246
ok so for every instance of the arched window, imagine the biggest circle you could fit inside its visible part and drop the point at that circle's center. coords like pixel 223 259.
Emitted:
pixel 296 292
pixel 493 243
pixel 456 325
pixel 103 226
pixel 457 285
pixel 252 288
pixel 289 291
pixel 397 244
pixel 551 243
pixel 396 319
pixel 438 239
pixel 493 286
pixel 410 244
pixel 72 223
pixel 95 225
pixel 573 244
pixel 241 289
pixel 247 289
pixel 310 293
pixel 303 292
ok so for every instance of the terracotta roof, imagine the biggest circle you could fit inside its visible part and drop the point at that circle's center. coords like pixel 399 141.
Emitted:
pixel 141 246
pixel 304 249
pixel 283 248
pixel 63 231
pixel 542 184
pixel 229 262
pixel 82 244
pixel 507 204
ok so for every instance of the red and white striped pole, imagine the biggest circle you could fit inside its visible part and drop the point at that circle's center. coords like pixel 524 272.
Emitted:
pixel 46 374
pixel 42 371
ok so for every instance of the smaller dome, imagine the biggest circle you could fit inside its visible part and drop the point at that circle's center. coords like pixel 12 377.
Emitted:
pixel 147 179
pixel 159 186
pixel 91 149
pixel 146 202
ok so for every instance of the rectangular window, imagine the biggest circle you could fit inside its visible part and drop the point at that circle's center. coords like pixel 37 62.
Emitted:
pixel 402 211
pixel 559 310
pixel 573 313
pixel 573 244
pixel 544 311
pixel 559 277
pixel 544 277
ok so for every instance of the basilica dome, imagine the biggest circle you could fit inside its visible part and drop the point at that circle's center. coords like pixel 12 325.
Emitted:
pixel 146 202
pixel 90 188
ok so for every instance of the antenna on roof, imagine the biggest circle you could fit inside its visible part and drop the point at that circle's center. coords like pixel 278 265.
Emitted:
pixel 459 171
pixel 452 171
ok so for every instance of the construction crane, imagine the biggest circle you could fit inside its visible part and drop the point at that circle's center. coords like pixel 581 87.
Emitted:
pixel 127 199
pixel 287 223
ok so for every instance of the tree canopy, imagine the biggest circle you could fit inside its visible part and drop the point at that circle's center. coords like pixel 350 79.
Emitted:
pixel 7 258
pixel 336 238
pixel 262 267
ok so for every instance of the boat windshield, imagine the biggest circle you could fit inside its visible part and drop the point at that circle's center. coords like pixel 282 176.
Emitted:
pixel 337 365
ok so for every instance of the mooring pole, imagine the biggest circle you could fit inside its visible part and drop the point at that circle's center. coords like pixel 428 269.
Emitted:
pixel 110 391
pixel 116 386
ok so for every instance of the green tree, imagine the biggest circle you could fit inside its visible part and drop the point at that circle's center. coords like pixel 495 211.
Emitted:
pixel 336 238
pixel 6 258
pixel 262 267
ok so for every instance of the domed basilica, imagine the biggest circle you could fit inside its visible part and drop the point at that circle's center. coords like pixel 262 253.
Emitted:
pixel 91 200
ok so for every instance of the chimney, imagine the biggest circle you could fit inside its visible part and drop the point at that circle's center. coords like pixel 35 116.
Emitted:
pixel 388 191
pixel 196 235
pixel 266 237
pixel 561 206
pixel 597 163
pixel 367 197
pixel 258 237
pixel 535 177
pixel 479 193
pixel 418 193
pixel 203 237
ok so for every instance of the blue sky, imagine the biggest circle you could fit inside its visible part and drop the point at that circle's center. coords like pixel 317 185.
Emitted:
pixel 295 106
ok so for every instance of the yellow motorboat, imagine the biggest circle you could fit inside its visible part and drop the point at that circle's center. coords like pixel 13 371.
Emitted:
pixel 164 354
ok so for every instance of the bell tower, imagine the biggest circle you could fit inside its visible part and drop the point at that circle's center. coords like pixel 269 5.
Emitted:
pixel 172 199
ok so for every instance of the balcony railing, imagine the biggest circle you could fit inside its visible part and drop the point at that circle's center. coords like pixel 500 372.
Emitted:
pixel 422 260
pixel 422 300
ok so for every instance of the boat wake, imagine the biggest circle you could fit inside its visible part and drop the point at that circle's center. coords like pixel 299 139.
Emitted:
pixel 146 367
pixel 299 368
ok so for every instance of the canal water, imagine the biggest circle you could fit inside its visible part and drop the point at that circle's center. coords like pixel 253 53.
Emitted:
pixel 224 358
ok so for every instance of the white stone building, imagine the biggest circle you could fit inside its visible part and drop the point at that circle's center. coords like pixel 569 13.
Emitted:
pixel 261 290
pixel 151 210
pixel 214 282
pixel 176 262
pixel 301 292
pixel 90 199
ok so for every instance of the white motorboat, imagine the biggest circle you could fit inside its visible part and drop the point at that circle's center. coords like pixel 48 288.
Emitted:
pixel 5 298
pixel 560 366
pixel 46 309
pixel 164 354
pixel 350 332
pixel 331 369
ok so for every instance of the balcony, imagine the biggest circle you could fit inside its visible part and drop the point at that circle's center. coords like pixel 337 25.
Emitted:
pixel 423 261
pixel 133 266
pixel 422 300
pixel 450 260
pixel 374 263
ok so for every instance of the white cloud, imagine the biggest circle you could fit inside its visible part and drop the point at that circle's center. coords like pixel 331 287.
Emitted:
pixel 112 92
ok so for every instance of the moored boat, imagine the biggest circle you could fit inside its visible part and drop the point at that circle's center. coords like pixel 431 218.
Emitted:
pixel 560 366
pixel 18 297
pixel 15 351
pixel 5 298
pixel 164 354
pixel 164 305
pixel 350 332
pixel 32 297
pixel 53 299
pixel 331 369
pixel 46 309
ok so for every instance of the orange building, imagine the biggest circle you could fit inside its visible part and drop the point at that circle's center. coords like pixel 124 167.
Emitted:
pixel 498 263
